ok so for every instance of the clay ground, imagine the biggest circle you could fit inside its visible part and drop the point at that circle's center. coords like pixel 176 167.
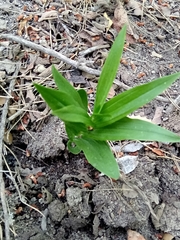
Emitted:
pixel 50 193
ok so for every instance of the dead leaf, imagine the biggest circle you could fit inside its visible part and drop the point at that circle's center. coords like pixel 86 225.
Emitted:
pixel 32 33
pixel 155 54
pixel 133 235
pixel 100 26
pixel 110 22
pixel 48 15
pixel 167 236
pixel 136 6
pixel 154 144
pixel 157 151
pixel 2 100
pixel 121 18
pixel 165 10
pixel 157 115
pixel 92 38
pixel 23 25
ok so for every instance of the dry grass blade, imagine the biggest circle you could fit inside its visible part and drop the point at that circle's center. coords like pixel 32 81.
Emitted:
pixel 22 198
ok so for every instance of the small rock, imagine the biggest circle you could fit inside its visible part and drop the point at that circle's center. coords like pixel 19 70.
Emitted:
pixel 127 163
pixel 74 196
pixel 132 147
pixel 57 210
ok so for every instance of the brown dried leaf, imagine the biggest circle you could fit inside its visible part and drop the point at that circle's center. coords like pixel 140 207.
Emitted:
pixel 120 17
pixel 22 26
pixel 157 115
pixel 2 100
pixel 92 38
pixel 133 235
pixel 167 236
pixel 157 151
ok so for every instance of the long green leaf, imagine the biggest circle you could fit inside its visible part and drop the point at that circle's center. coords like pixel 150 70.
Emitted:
pixel 73 114
pixel 109 70
pixel 55 98
pixel 99 156
pixel 64 86
pixel 133 129
pixel 83 95
pixel 130 100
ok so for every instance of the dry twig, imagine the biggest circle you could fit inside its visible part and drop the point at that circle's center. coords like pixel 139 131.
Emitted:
pixel 65 59
pixel 52 53
pixel 2 130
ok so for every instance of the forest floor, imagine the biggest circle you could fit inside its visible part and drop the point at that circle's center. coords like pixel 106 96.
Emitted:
pixel 49 193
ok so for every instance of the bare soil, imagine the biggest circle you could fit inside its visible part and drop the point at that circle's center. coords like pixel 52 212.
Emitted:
pixel 40 175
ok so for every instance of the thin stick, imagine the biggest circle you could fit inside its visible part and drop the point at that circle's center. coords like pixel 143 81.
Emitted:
pixel 52 53
pixel 63 58
pixel 21 197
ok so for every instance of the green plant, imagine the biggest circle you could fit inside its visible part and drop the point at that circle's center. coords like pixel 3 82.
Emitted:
pixel 109 120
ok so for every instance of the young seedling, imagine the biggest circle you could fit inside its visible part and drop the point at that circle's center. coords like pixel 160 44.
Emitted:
pixel 109 120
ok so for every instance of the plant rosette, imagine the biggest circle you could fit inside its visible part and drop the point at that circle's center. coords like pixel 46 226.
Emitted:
pixel 109 120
